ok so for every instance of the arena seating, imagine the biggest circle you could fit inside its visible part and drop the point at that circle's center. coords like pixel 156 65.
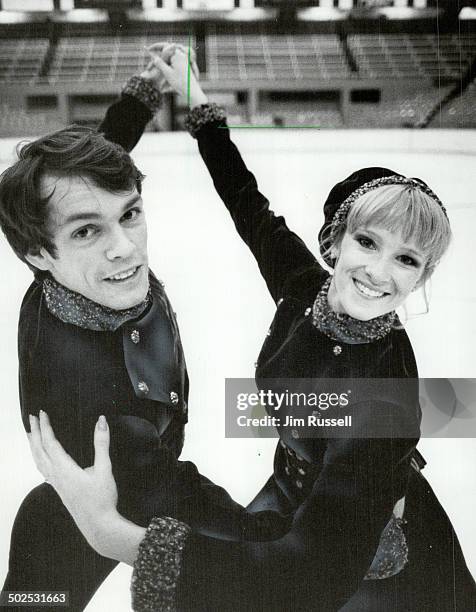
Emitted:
pixel 410 55
pixel 89 59
pixel 460 112
pixel 403 111
pixel 21 59
pixel 319 119
pixel 256 61
pixel 270 57
pixel 245 57
pixel 15 121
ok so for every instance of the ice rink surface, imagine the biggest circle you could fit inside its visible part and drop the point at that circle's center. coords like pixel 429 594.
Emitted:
pixel 224 310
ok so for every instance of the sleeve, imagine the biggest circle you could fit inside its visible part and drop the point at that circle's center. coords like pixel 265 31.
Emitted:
pixel 127 118
pixel 278 251
pixel 166 486
pixel 321 560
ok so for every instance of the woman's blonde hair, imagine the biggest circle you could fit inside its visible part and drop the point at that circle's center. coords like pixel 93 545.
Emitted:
pixel 407 209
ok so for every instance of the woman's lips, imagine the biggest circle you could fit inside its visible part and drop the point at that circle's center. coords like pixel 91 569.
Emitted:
pixel 367 291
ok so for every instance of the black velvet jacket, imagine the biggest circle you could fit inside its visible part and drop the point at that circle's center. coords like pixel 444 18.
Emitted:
pixel 352 485
pixel 76 374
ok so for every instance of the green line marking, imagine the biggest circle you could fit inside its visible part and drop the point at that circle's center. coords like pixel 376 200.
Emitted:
pixel 189 68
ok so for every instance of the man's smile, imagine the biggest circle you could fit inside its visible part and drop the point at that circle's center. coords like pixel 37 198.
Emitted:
pixel 125 275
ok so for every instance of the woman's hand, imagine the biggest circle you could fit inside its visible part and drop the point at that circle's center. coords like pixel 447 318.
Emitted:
pixel 179 71
pixel 90 495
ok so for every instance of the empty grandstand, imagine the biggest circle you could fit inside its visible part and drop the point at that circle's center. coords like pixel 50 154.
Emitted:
pixel 330 64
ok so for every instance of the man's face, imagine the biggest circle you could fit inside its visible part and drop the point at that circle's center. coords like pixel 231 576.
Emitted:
pixel 100 239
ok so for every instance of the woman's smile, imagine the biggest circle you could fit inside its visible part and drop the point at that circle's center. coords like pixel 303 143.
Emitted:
pixel 367 291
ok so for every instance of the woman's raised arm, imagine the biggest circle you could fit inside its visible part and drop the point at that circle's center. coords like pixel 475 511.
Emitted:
pixel 278 251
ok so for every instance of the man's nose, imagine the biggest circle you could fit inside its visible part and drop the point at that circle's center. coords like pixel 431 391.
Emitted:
pixel 119 246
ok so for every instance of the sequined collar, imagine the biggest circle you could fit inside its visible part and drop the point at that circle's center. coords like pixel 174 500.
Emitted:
pixel 344 328
pixel 74 308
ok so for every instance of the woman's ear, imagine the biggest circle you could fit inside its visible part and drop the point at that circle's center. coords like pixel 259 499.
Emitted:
pixel 427 272
pixel 335 252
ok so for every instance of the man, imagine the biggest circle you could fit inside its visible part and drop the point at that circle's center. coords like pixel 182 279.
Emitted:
pixel 97 335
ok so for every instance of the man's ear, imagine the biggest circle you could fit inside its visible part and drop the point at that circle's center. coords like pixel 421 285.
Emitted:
pixel 41 260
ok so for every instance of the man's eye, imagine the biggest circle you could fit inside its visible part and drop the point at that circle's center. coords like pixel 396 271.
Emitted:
pixel 132 214
pixel 84 232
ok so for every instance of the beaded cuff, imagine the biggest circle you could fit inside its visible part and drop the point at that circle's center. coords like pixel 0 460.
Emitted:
pixel 199 116
pixel 157 567
pixel 392 553
pixel 145 91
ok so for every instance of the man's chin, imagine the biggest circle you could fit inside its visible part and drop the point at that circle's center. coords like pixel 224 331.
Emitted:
pixel 123 302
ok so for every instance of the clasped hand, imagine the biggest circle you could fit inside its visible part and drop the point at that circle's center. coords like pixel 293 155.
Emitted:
pixel 173 68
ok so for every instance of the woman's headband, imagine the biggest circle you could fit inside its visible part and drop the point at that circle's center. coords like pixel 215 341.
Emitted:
pixel 342 212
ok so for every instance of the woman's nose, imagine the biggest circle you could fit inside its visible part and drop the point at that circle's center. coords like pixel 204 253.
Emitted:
pixel 378 270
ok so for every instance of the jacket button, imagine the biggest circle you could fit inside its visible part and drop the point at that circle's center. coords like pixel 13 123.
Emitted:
pixel 174 397
pixel 143 387
pixel 302 472
pixel 307 312
pixel 135 336
pixel 337 350
pixel 298 484
pixel 280 301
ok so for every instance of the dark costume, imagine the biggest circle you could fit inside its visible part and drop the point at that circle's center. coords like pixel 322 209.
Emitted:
pixel 76 363
pixel 340 491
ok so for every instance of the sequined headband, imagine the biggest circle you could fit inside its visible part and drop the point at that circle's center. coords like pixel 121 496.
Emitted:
pixel 343 210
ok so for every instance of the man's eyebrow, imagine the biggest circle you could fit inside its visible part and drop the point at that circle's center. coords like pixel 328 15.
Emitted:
pixel 90 215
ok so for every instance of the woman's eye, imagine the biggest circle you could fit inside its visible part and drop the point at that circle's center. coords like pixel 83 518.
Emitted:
pixel 365 242
pixel 84 232
pixel 131 214
pixel 409 261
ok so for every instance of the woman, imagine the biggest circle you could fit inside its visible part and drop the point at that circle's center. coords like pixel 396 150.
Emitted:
pixel 367 531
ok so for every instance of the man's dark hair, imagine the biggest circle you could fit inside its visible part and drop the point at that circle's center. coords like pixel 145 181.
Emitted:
pixel 73 151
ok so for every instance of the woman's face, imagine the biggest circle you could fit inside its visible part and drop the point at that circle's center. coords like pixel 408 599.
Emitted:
pixel 374 273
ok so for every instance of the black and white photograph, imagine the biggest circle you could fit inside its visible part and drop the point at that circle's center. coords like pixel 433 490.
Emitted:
pixel 238 305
